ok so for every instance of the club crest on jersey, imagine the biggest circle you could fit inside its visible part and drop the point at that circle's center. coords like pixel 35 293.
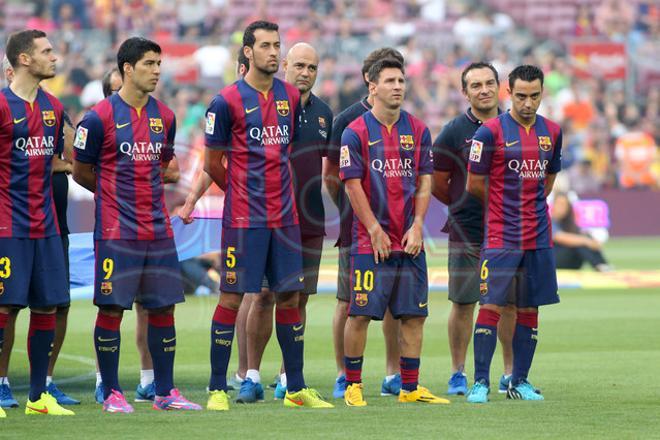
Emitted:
pixel 476 150
pixel 545 143
pixel 230 276
pixel 156 125
pixel 106 287
pixel 81 138
pixel 322 122
pixel 361 299
pixel 49 117
pixel 282 107
pixel 344 157
pixel 406 141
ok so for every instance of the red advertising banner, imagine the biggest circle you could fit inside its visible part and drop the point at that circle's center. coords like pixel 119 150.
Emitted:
pixel 598 59
pixel 178 61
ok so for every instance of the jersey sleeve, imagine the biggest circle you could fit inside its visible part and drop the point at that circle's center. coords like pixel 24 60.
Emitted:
pixel 481 152
pixel 555 164
pixel 89 138
pixel 218 125
pixel 351 165
pixel 443 155
pixel 168 148
pixel 426 155
pixel 59 146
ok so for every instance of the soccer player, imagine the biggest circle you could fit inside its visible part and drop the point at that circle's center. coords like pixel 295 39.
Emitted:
pixel 253 123
pixel 146 389
pixel 392 382
pixel 386 164
pixel 480 86
pixel 300 69
pixel 514 160
pixel 32 270
pixel 123 147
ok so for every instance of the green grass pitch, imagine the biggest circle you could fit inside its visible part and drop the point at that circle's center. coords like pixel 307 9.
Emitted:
pixel 597 364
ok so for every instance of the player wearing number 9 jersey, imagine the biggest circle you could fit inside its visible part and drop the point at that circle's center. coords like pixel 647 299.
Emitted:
pixel 514 159
pixel 123 146
pixel 386 164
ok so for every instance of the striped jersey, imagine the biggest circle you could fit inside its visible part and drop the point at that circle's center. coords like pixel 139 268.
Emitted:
pixel 388 163
pixel 128 147
pixel 30 135
pixel 256 131
pixel 516 161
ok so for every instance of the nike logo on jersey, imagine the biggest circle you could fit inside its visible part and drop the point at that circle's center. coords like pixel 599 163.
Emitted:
pixel 374 142
pixel 106 339
pixel 222 332
pixel 422 305
pixel 18 121
pixel 468 141
pixel 297 328
pixel 167 341
pixel 509 144
pixel 122 125
pixel 250 110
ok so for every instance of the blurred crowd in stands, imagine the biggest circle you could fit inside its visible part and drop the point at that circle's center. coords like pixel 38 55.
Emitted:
pixel 611 124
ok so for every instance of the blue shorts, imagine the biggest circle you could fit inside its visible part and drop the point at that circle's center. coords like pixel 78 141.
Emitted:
pixel 250 254
pixel 401 283
pixel 146 272
pixel 32 272
pixel 532 271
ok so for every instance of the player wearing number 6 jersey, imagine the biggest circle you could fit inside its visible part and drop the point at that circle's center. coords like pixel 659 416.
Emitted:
pixel 514 159
pixel 123 146
pixel 386 164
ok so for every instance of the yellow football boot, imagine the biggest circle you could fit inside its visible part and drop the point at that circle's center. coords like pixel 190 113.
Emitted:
pixel 422 395
pixel 46 405
pixel 307 398
pixel 218 401
pixel 353 395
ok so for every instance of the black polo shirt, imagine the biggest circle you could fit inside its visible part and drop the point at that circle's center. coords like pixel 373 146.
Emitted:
pixel 342 121
pixel 450 153
pixel 307 153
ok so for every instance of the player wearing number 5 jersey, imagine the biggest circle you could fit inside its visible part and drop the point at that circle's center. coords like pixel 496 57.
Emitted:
pixel 123 146
pixel 514 159
pixel 386 164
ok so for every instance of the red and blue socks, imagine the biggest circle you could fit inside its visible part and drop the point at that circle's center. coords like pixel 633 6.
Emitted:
pixel 353 369
pixel 485 341
pixel 524 345
pixel 409 373
pixel 107 341
pixel 40 343
pixel 161 339
pixel 290 333
pixel 222 335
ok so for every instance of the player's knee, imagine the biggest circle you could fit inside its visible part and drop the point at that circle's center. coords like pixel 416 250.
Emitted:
pixel 43 310
pixel 264 300
pixel 113 311
pixel 62 312
pixel 464 310
pixel 231 301
pixel 286 300
pixel 342 307
pixel 169 310
pixel 302 301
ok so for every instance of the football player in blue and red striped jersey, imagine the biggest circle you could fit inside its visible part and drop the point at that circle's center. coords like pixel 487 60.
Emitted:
pixel 32 270
pixel 253 123
pixel 514 160
pixel 123 147
pixel 386 164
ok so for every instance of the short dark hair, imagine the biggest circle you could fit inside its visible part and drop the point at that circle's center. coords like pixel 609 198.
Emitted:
pixel 106 83
pixel 527 73
pixel 379 66
pixel 132 50
pixel 377 55
pixel 478 65
pixel 242 59
pixel 248 35
pixel 22 42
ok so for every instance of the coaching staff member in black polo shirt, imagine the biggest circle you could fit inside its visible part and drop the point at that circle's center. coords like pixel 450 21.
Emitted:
pixel 480 86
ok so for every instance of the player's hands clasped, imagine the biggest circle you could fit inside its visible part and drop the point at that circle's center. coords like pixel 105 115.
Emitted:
pixel 185 212
pixel 412 240
pixel 380 242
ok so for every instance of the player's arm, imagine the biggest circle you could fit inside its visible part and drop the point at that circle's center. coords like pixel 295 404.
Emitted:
pixel 61 166
pixel 214 168
pixel 169 166
pixel 553 167
pixel 170 171
pixel 331 167
pixel 69 134
pixel 217 137
pixel 413 238
pixel 549 184
pixel 380 242
pixel 481 155
pixel 442 166
pixel 202 182
pixel 87 147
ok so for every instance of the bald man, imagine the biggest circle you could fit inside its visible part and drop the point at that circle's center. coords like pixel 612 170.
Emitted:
pixel 300 68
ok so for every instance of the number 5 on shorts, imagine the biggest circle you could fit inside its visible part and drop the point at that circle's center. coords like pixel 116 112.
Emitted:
pixel 484 270
pixel 230 261
pixel 5 267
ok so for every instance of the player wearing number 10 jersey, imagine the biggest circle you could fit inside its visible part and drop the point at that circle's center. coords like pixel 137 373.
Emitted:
pixel 520 154
pixel 386 163
pixel 123 146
